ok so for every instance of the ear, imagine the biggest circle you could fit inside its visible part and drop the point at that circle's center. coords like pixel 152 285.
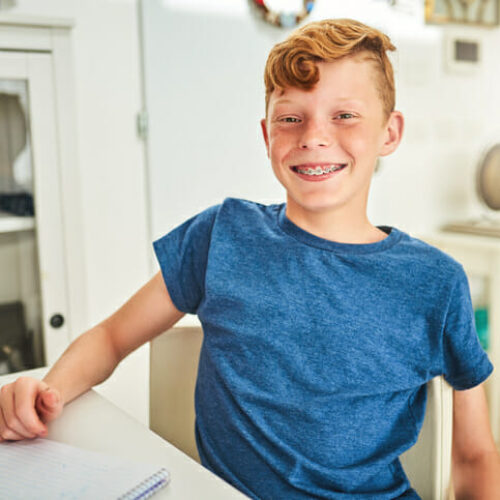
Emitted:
pixel 263 125
pixel 394 133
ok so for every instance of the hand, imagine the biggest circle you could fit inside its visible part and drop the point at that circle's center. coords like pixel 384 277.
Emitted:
pixel 26 405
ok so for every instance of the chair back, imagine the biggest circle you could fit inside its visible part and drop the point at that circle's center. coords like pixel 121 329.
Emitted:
pixel 428 463
pixel 173 369
pixel 174 359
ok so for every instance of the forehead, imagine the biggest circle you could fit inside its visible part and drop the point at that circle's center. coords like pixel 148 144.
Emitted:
pixel 352 78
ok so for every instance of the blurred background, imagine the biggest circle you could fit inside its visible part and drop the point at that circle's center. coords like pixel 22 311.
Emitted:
pixel 161 102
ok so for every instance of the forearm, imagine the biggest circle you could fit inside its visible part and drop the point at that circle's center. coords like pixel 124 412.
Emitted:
pixel 478 479
pixel 89 360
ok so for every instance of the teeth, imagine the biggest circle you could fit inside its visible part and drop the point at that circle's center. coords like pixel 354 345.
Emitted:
pixel 318 170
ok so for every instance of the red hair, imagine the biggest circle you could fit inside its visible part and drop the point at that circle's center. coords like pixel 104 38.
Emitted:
pixel 292 63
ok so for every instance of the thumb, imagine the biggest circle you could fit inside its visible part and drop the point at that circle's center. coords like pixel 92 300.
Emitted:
pixel 48 403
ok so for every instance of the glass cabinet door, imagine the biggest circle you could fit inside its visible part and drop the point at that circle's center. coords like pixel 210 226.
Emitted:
pixel 21 345
pixel 32 282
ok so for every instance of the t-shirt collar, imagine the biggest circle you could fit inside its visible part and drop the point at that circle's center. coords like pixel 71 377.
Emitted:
pixel 393 236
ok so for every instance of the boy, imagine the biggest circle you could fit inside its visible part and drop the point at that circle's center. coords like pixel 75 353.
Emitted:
pixel 320 330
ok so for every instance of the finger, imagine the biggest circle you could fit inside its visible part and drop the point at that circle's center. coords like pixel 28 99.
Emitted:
pixel 11 419
pixel 11 423
pixel 48 404
pixel 7 434
pixel 26 395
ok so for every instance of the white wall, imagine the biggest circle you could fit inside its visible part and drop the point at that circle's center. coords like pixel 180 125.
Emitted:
pixel 427 182
pixel 205 94
pixel 112 169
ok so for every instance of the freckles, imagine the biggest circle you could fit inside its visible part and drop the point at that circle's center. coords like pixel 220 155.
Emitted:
pixel 362 144
pixel 278 139
pixel 273 136
pixel 354 144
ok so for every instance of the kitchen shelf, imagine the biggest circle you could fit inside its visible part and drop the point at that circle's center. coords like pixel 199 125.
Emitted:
pixel 12 223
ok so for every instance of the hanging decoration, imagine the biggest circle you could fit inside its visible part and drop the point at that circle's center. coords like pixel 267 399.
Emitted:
pixel 284 19
pixel 472 12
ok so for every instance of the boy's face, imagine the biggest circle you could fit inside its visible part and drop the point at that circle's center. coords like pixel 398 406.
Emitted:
pixel 340 123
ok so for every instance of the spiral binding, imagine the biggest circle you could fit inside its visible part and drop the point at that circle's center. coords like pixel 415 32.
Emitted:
pixel 148 487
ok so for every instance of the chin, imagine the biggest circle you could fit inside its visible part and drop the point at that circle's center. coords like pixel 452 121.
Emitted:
pixel 317 205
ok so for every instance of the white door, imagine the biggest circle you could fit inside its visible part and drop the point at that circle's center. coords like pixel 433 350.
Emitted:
pixel 33 284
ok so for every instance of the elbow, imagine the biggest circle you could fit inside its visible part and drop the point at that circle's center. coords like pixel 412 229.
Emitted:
pixel 105 350
pixel 112 345
pixel 477 477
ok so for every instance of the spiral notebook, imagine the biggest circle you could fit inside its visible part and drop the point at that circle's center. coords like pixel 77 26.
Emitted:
pixel 43 469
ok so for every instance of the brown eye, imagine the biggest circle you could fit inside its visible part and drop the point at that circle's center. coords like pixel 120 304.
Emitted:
pixel 290 119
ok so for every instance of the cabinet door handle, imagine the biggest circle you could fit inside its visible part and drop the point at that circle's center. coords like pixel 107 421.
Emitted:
pixel 57 320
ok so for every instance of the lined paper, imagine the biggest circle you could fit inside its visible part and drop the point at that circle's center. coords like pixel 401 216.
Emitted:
pixel 44 469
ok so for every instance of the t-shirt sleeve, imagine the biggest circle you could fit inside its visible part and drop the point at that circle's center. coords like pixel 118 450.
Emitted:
pixel 182 255
pixel 466 364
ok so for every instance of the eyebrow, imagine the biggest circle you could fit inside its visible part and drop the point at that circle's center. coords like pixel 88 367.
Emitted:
pixel 283 101
pixel 343 100
pixel 356 103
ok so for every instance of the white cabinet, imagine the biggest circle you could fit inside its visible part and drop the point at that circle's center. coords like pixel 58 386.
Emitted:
pixel 41 264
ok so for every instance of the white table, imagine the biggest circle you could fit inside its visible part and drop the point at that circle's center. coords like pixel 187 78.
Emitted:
pixel 94 423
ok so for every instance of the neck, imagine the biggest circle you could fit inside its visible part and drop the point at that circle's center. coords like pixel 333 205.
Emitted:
pixel 335 225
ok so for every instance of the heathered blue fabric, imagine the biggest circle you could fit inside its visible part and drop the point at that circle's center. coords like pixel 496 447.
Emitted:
pixel 316 354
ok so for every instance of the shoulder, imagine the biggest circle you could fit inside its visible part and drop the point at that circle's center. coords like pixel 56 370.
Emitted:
pixel 202 220
pixel 241 208
pixel 425 270
pixel 428 259
pixel 232 212
pixel 244 204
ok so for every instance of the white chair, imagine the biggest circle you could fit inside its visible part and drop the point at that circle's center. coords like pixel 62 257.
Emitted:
pixel 428 463
pixel 173 368
pixel 174 359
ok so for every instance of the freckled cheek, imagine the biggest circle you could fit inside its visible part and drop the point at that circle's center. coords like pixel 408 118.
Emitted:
pixel 280 145
pixel 358 147
pixel 279 137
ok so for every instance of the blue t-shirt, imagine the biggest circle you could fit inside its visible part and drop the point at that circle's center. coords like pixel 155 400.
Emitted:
pixel 316 354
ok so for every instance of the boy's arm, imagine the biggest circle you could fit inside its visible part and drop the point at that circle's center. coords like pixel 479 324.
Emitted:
pixel 94 355
pixel 476 461
pixel 27 404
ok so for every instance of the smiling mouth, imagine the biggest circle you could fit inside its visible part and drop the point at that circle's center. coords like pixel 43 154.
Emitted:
pixel 319 169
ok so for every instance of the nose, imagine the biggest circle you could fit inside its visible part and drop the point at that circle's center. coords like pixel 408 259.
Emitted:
pixel 314 134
